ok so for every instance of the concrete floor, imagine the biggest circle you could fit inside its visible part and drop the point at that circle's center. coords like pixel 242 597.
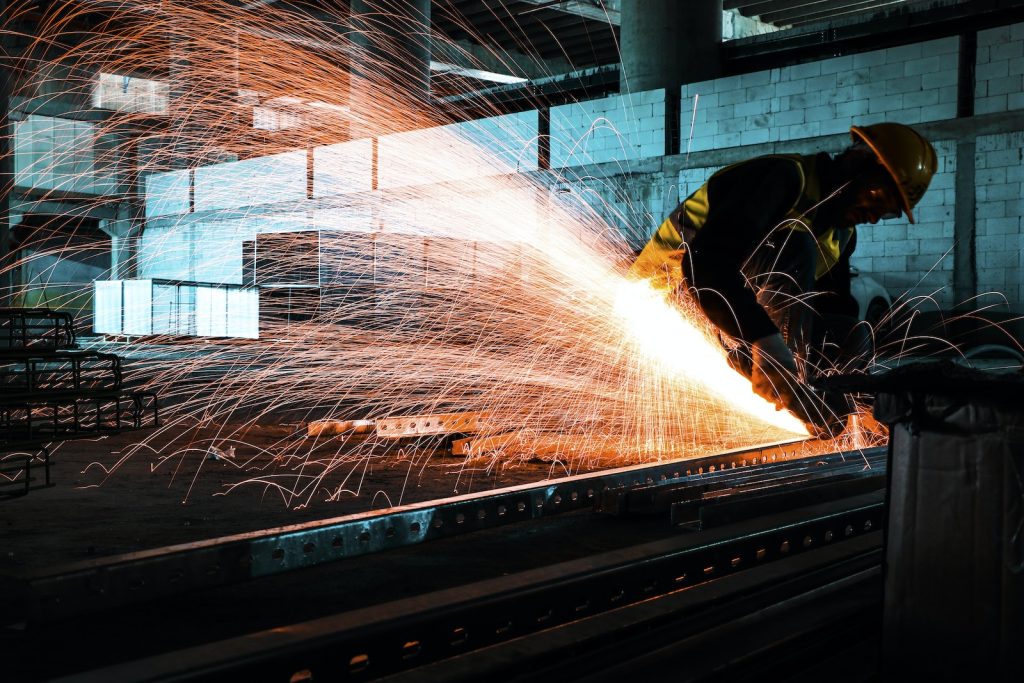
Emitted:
pixel 148 503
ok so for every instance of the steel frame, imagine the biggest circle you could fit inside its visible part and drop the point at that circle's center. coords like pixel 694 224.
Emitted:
pixel 146 575
pixel 19 466
pixel 52 391
pixel 36 329
pixel 395 637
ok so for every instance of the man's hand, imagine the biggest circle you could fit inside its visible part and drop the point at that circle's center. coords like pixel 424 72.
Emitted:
pixel 774 374
pixel 775 379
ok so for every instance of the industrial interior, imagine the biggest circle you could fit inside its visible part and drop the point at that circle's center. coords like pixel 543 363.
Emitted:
pixel 509 340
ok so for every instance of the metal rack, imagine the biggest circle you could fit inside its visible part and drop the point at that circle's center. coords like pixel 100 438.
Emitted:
pixel 51 391
pixel 36 328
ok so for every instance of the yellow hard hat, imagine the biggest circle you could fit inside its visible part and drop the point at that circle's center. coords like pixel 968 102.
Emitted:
pixel 909 158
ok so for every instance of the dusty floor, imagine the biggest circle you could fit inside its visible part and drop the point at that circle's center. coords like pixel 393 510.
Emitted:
pixel 150 501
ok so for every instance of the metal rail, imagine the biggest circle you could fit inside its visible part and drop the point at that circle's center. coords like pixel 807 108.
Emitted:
pixel 146 575
pixel 30 424
pixel 767 487
pixel 16 472
pixel 394 637
pixel 30 374
pixel 36 329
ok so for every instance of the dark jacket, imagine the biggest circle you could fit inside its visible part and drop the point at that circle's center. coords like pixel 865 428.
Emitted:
pixel 720 225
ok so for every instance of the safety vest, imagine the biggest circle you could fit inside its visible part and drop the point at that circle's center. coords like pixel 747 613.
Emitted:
pixel 661 258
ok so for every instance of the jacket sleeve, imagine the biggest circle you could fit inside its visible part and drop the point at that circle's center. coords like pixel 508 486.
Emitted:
pixel 746 203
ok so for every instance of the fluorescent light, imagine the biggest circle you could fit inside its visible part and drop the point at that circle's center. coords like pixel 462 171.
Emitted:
pixel 443 67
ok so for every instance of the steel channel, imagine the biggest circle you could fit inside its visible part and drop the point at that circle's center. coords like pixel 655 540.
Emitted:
pixel 141 576
pixel 392 637
pixel 657 497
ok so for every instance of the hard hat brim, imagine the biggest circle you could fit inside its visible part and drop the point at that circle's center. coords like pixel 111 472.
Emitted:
pixel 858 135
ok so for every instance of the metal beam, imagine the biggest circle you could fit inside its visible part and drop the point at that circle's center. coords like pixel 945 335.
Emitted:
pixel 760 565
pixel 146 575
pixel 821 11
pixel 599 10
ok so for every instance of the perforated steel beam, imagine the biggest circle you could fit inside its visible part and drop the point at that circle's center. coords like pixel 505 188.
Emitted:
pixel 146 575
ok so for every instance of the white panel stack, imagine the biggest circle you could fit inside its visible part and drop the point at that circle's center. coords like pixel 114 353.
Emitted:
pixel 165 309
pixel 211 312
pixel 106 303
pixel 137 305
pixel 243 313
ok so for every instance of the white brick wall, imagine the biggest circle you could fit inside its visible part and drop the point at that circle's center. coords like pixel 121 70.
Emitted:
pixel 58 154
pixel 261 180
pixel 999 187
pixel 999 70
pixel 459 151
pixel 620 128
pixel 167 193
pixel 690 179
pixel 909 84
pixel 343 168
pixel 632 205
pixel 916 261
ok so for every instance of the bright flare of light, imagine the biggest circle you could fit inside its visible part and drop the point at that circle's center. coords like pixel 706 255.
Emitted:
pixel 681 352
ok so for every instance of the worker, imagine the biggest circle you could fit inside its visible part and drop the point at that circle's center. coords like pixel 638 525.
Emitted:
pixel 763 248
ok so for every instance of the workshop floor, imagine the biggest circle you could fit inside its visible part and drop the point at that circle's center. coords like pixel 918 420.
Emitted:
pixel 147 503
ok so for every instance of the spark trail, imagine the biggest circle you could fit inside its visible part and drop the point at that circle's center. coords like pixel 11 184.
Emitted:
pixel 455 282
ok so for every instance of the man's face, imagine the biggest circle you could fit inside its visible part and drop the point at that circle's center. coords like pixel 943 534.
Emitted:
pixel 870 198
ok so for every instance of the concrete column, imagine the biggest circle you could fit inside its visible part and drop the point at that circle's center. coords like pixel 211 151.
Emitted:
pixel 965 262
pixel 7 257
pixel 666 43
pixel 390 65
pixel 394 36
pixel 130 214
pixel 124 249
pixel 204 106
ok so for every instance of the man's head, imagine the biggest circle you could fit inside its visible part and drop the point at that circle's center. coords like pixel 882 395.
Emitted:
pixel 889 168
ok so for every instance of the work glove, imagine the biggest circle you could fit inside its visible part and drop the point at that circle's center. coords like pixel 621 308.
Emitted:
pixel 775 378
pixel 773 372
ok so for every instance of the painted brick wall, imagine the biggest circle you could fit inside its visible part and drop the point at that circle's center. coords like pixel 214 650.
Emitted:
pixel 261 180
pixel 620 128
pixel 167 193
pixel 999 188
pixel 909 84
pixel 632 204
pixel 999 70
pixel 459 151
pixel 343 168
